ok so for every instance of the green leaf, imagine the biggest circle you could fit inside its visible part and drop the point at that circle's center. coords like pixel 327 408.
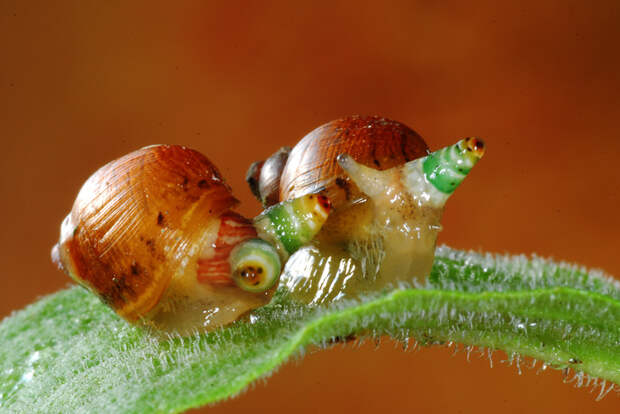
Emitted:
pixel 68 352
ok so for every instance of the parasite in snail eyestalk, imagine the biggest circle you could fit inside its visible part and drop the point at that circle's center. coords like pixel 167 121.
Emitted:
pixel 154 235
pixel 388 193
pixel 428 180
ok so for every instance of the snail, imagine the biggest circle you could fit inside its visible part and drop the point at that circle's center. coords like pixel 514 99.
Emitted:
pixel 388 192
pixel 311 165
pixel 154 235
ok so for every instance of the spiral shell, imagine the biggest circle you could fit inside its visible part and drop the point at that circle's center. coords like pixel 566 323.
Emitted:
pixel 155 203
pixel 311 165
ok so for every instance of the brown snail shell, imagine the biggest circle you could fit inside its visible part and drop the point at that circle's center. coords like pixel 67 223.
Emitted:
pixel 373 141
pixel 143 227
pixel 311 166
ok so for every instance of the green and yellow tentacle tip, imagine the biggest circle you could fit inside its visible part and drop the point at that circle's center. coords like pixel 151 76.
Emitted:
pixel 447 168
pixel 291 224
pixel 255 265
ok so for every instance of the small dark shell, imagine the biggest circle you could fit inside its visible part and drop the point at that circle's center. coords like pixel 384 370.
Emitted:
pixel 374 141
pixel 263 177
pixel 136 219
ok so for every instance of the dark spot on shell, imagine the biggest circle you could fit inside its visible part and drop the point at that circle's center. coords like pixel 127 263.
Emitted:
pixel 125 290
pixel 106 298
pixel 184 184
pixel 377 163
pixel 135 268
pixel 260 270
pixel 121 292
pixel 150 243
pixel 203 184
pixel 160 219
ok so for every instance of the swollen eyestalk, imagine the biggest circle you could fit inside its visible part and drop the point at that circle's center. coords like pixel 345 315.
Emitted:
pixel 282 229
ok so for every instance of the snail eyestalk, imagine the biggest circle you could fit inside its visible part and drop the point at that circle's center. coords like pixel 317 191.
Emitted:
pixel 255 265
pixel 370 181
pixel 445 169
pixel 291 224
pixel 429 180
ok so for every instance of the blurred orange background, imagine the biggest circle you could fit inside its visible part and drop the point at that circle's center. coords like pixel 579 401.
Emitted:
pixel 82 83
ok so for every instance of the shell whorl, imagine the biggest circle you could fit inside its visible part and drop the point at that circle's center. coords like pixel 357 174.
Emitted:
pixel 137 221
pixel 377 142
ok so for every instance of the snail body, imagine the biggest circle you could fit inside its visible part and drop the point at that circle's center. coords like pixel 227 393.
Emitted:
pixel 154 235
pixel 388 194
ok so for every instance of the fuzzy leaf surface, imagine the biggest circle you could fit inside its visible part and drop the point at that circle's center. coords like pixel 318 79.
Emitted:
pixel 69 353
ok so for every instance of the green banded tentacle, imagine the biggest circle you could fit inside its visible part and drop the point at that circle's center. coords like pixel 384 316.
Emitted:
pixel 446 168
pixel 255 265
pixel 291 224
pixel 289 228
